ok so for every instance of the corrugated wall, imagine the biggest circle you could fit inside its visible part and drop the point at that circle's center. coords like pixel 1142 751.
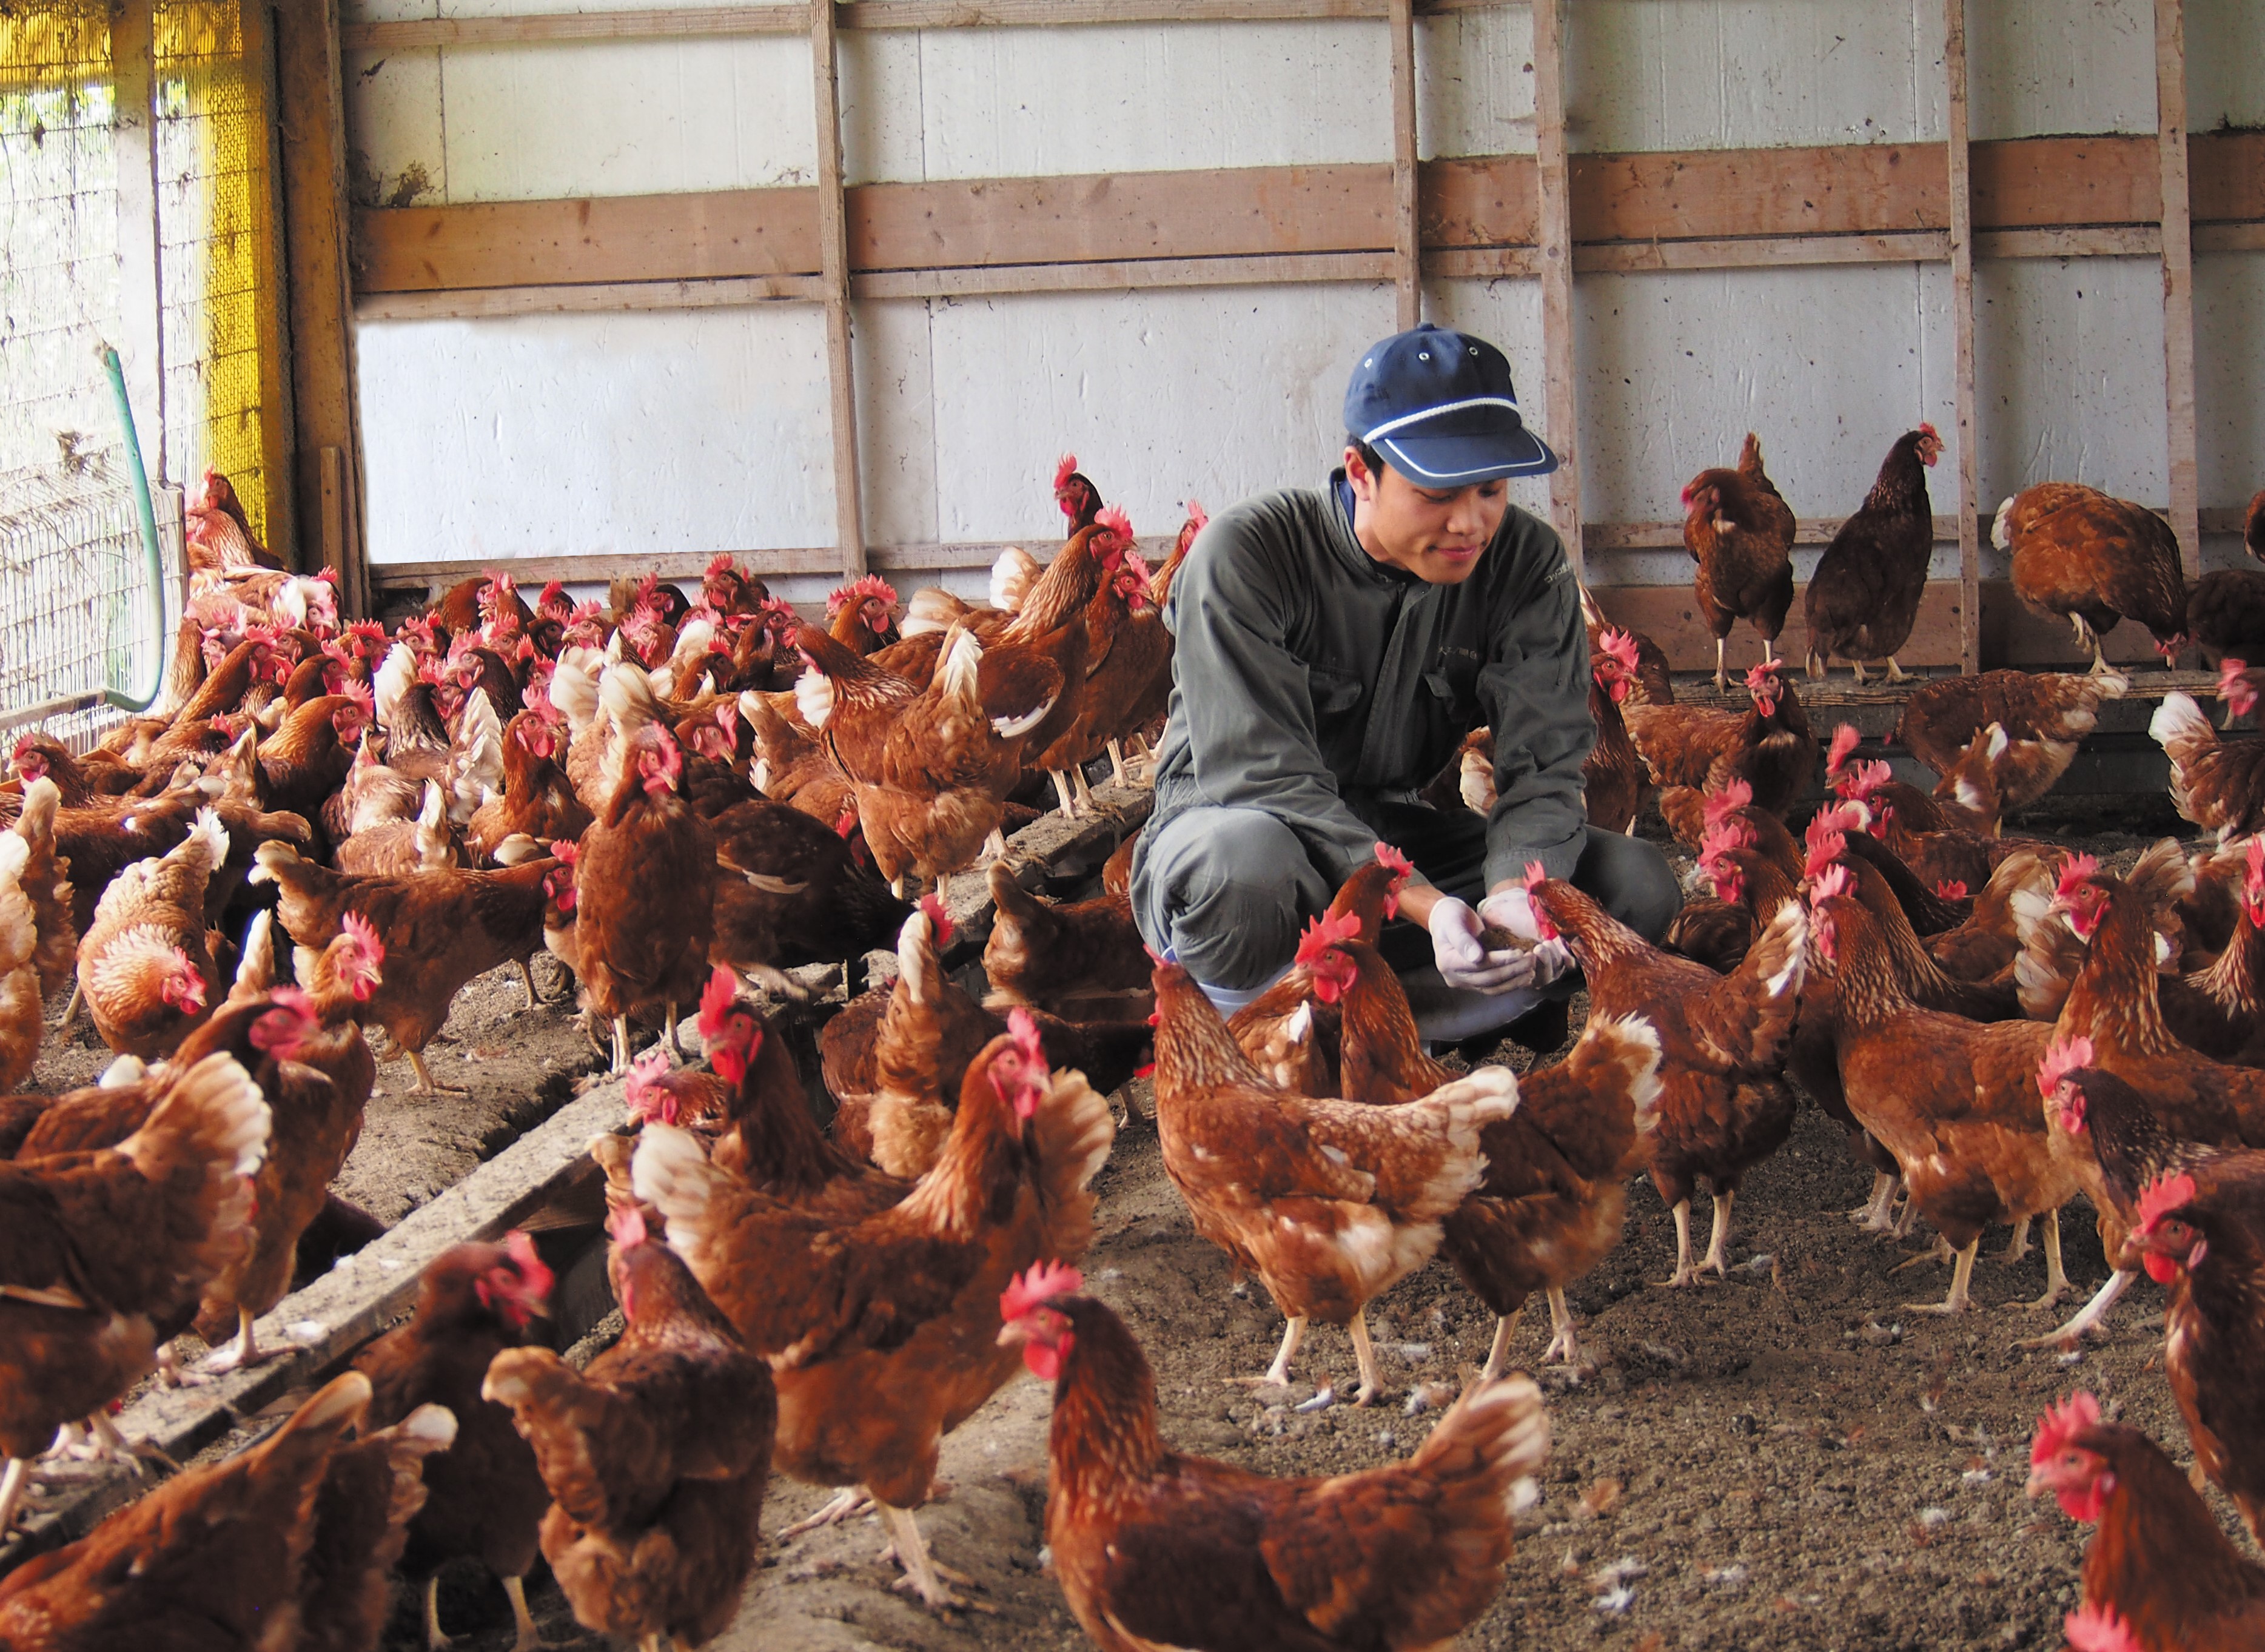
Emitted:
pixel 696 430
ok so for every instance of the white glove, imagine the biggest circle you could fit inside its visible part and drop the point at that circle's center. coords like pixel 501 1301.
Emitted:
pixel 1512 910
pixel 1463 959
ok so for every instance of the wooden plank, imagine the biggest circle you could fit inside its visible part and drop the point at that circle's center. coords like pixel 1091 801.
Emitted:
pixel 333 540
pixel 1960 152
pixel 1097 217
pixel 1554 217
pixel 1703 194
pixel 985 14
pixel 1125 275
pixel 2225 173
pixel 270 305
pixel 464 303
pixel 2030 183
pixel 695 236
pixel 2229 238
pixel 1764 253
pixel 2178 277
pixel 318 282
pixel 141 341
pixel 1669 615
pixel 1486 263
pixel 833 273
pixel 1807 530
pixel 1407 260
pixel 412 33
pixel 2090 241
pixel 1482 201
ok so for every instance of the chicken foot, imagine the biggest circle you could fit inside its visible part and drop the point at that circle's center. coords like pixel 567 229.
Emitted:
pixel 923 1575
pixel 1564 1347
pixel 2092 1318
pixel 530 1637
pixel 1897 673
pixel 527 977
pixel 243 1353
pixel 2088 638
pixel 2055 1280
pixel 1118 774
pixel 1060 777
pixel 1877 1215
pixel 96 1440
pixel 1686 1271
pixel 849 1503
pixel 2017 1246
pixel 14 1481
pixel 621 1043
pixel 1721 666
pixel 426 1083
pixel 1363 1353
pixel 1961 1276
pixel 1277 1374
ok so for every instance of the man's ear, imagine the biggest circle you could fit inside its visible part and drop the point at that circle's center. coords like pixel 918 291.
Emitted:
pixel 1362 478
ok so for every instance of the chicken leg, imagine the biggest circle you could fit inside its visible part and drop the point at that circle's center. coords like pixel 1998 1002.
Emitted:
pixel 1962 1276
pixel 1117 772
pixel 14 1480
pixel 526 975
pixel 1877 1215
pixel 2017 1246
pixel 1858 666
pixel 1498 1356
pixel 849 1503
pixel 1363 1353
pixel 1721 666
pixel 1564 1347
pixel 1277 1374
pixel 243 1353
pixel 922 1575
pixel 2087 638
pixel 426 1081
pixel 621 1043
pixel 2094 1315
pixel 1061 789
pixel 1718 1242
pixel 1686 1273
pixel 530 1637
pixel 2056 1281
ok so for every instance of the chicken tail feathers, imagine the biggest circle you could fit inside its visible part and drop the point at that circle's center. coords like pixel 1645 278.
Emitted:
pixel 212 1115
pixel 1074 1130
pixel 1484 1458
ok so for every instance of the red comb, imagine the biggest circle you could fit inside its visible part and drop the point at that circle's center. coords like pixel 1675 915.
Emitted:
pixel 566 851
pixel 1063 469
pixel 532 1270
pixel 1116 521
pixel 1324 932
pixel 1197 515
pixel 365 934
pixel 1828 884
pixel 1929 430
pixel 1404 867
pixel 939 920
pixel 2255 875
pixel 2056 1428
pixel 1844 741
pixel 2164 1195
pixel 645 1075
pixel 715 1001
pixel 2062 1058
pixel 1024 1027
pixel 1950 888
pixel 2096 1628
pixel 2072 876
pixel 1621 646
pixel 1737 794
pixel 1042 1283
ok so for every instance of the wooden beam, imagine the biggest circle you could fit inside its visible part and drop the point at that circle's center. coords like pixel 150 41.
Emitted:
pixel 2087 241
pixel 834 276
pixel 2229 238
pixel 1960 151
pixel 1807 530
pixel 1919 246
pixel 2178 277
pixel 2227 176
pixel 270 294
pixel 721 21
pixel 1125 275
pixel 312 125
pixel 141 341
pixel 1554 217
pixel 1408 259
pixel 612 297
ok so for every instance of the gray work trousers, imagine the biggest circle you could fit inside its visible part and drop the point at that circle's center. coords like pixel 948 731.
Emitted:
pixel 1226 892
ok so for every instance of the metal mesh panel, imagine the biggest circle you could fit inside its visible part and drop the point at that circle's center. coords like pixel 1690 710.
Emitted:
pixel 58 231
pixel 75 610
pixel 213 231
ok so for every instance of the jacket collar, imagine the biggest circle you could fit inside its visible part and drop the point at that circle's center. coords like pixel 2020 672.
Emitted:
pixel 1347 545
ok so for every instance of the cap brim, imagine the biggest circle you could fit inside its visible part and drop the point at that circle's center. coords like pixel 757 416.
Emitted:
pixel 1460 461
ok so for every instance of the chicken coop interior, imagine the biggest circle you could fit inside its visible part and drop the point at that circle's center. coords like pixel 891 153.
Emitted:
pixel 610 627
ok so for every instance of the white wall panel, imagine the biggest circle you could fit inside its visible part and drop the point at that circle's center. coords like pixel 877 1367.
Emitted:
pixel 1736 74
pixel 2226 52
pixel 2229 378
pixel 1475 82
pixel 1012 103
pixel 398 155
pixel 896 420
pixel 1508 313
pixel 2052 65
pixel 624 435
pixel 880 97
pixel 2069 376
pixel 1161 395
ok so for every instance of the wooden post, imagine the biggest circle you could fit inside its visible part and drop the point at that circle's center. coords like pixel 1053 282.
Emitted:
pixel 142 341
pixel 1406 244
pixel 310 118
pixel 1962 311
pixel 278 429
pixel 833 269
pixel 1553 172
pixel 2178 277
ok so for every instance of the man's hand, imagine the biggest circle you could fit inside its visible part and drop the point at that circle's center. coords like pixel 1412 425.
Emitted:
pixel 1512 910
pixel 1463 958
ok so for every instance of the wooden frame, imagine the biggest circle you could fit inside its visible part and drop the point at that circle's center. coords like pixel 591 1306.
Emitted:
pixel 1552 214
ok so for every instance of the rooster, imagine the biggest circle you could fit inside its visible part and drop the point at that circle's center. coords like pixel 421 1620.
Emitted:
pixel 1865 591
pixel 1155 1549
pixel 1330 1202
pixel 1739 531
pixel 2093 560
pixel 2158 1561
pixel 1722 1107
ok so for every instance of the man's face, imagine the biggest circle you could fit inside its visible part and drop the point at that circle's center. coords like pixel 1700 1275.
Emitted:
pixel 1436 534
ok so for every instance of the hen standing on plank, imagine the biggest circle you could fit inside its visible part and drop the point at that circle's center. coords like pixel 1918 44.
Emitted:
pixel 1865 592
pixel 2093 560
pixel 1740 533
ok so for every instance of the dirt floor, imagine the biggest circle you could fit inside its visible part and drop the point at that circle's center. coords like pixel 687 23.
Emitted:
pixel 1794 1458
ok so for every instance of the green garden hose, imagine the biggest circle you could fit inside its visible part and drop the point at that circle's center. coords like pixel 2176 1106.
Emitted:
pixel 116 697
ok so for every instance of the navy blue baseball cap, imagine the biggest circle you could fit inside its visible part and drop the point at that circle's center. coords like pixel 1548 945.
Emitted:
pixel 1439 406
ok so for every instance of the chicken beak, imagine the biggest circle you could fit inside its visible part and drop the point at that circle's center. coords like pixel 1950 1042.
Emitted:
pixel 1014 1334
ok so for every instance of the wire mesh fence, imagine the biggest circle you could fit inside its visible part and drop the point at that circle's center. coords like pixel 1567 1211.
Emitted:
pixel 58 231
pixel 76 615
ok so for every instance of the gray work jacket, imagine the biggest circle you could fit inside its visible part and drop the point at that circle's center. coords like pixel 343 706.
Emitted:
pixel 1310 680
